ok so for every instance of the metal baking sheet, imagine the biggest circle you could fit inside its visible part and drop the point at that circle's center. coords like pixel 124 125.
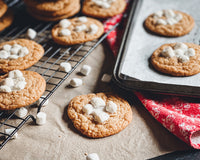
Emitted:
pixel 133 69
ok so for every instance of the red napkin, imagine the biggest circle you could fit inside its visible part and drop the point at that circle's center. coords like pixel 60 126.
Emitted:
pixel 180 115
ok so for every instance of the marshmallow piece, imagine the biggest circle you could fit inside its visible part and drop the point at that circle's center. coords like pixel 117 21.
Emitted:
pixel 100 116
pixel 41 118
pixel 92 156
pixel 82 19
pixel 168 52
pixel 85 70
pixel 111 107
pixel 158 14
pixel 65 66
pixel 179 52
pixel 180 45
pixel 45 103
pixel 93 29
pixel 169 13
pixel 23 51
pixel 8 82
pixel 81 28
pixel 17 46
pixel 4 54
pixel 65 32
pixel 21 112
pixel 88 109
pixel 15 50
pixel 171 21
pixel 19 85
pixel 183 58
pixel 161 21
pixel 13 57
pixel 64 23
pixel 190 52
pixel 178 17
pixel 7 47
pixel 106 78
pixel 15 74
pixel 97 102
pixel 4 88
pixel 31 33
pixel 9 131
pixel 76 82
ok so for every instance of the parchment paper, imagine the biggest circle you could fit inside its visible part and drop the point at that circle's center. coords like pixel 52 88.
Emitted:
pixel 143 44
pixel 59 140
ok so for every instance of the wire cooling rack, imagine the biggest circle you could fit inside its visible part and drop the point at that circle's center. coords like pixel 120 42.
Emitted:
pixel 48 66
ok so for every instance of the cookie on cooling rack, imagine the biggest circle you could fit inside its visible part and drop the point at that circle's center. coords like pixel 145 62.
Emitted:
pixel 102 8
pixel 177 59
pixel 52 10
pixel 99 115
pixel 19 54
pixel 170 23
pixel 6 20
pixel 77 30
pixel 20 88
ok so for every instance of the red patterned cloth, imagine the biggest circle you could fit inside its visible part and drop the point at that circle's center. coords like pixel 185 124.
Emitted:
pixel 180 115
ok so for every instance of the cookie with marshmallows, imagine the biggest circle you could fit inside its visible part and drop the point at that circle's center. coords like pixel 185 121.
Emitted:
pixel 170 23
pixel 177 59
pixel 20 88
pixel 77 30
pixel 99 115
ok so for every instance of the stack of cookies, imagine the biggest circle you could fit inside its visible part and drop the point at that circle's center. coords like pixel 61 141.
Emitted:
pixel 6 16
pixel 52 10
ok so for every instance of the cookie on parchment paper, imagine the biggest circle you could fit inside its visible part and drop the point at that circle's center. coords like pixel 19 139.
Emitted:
pixel 169 23
pixel 99 115
pixel 177 59
pixel 77 30
pixel 34 88
pixel 35 52
pixel 104 9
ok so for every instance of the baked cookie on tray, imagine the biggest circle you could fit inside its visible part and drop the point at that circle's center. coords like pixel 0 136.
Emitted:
pixel 170 23
pixel 177 59
pixel 77 30
pixel 52 10
pixel 3 8
pixel 6 20
pixel 19 54
pixel 20 88
pixel 99 115
pixel 103 8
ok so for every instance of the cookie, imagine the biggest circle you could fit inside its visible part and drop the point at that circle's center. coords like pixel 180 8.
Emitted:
pixel 35 52
pixel 3 8
pixel 169 23
pixel 35 87
pixel 89 124
pixel 6 20
pixel 78 31
pixel 177 59
pixel 104 9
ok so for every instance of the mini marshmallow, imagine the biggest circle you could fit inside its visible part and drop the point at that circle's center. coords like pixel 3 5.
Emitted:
pixel 102 3
pixel 82 19
pixel 65 66
pixel 178 17
pixel 45 103
pixel 64 23
pixel 100 116
pixel 181 46
pixel 5 89
pixel 179 52
pixel 171 21
pixel 85 70
pixel 76 82
pixel 31 33
pixel 92 156
pixel 4 54
pixel 111 107
pixel 168 52
pixel 41 118
pixel 183 58
pixel 97 102
pixel 93 29
pixel 8 82
pixel 17 46
pixel 169 13
pixel 158 14
pixel 15 50
pixel 161 21
pixel 190 52
pixel 81 28
pixel 13 57
pixel 19 85
pixel 106 78
pixel 9 131
pixel 23 51
pixel 88 109
pixel 21 112
pixel 15 74
pixel 65 32
pixel 7 47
